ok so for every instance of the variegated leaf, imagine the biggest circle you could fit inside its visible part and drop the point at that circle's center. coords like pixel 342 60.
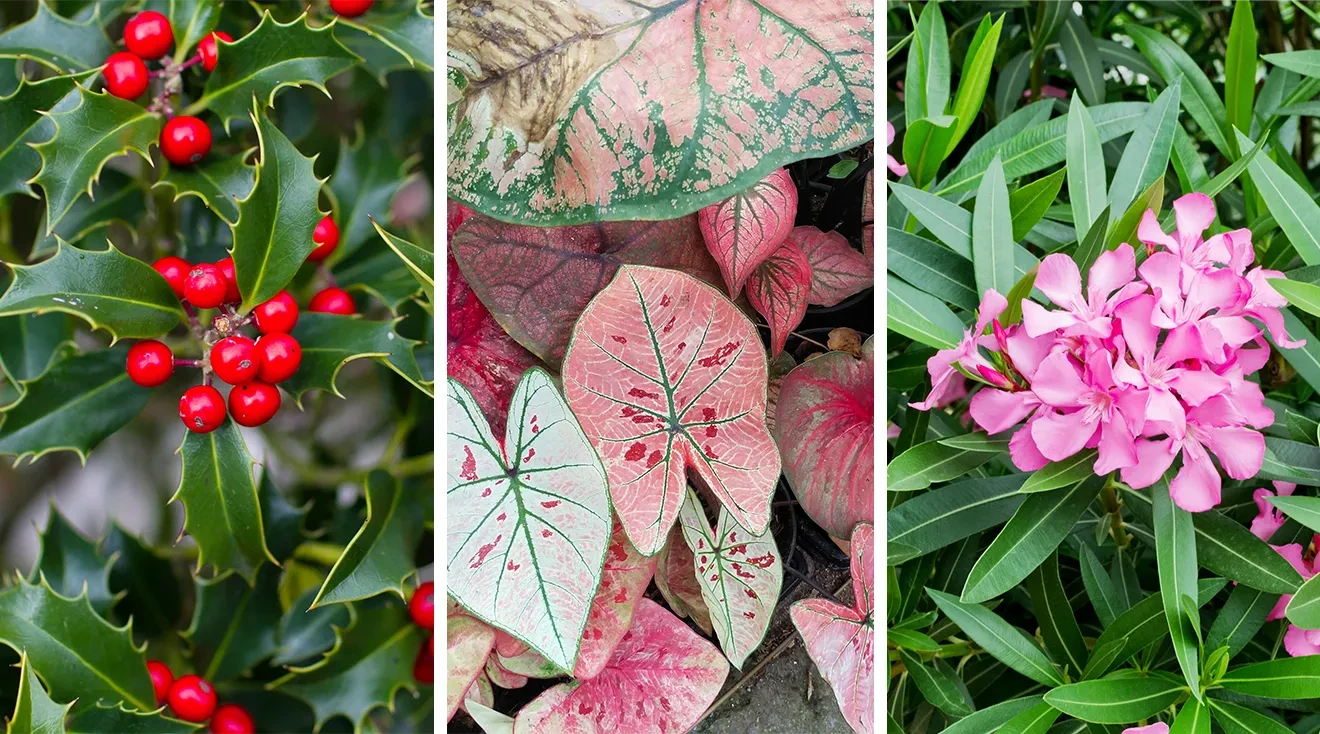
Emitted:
pixel 778 290
pixel 744 230
pixel 780 366
pixel 837 270
pixel 676 578
pixel 469 642
pixel 625 578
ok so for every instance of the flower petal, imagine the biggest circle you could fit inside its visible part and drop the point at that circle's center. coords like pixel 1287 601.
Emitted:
pixel 1060 435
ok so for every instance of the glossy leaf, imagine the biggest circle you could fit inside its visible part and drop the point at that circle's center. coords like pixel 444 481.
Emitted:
pixel 1058 623
pixel 102 718
pixel 234 622
pixel 21 123
pixel 1290 204
pixel 1200 98
pixel 56 42
pixel 1240 68
pixel 925 144
pixel 1175 553
pixel 380 556
pixel 1031 202
pixel 1005 642
pixel 367 176
pixel 991 717
pixel 992 233
pixel 1284 678
pixel 34 712
pixel 71 565
pixel 978 66
pixel 623 581
pixel 468 642
pixel 930 462
pixel 1237 719
pixel 190 20
pixel 220 184
pixel 676 578
pixel 837 270
pixel 329 342
pixel 1061 473
pixel 305 633
pixel 1082 57
pixel 147 582
pixel 933 520
pixel 409 32
pixel 940 690
pixel 933 268
pixel 117 197
pixel 1146 156
pixel 1115 700
pixel 778 289
pixel 1086 169
pixel 1140 626
pixel 743 231
pixel 921 317
pixel 420 261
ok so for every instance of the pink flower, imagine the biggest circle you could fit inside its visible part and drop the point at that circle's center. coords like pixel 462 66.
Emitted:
pixel 1158 727
pixel 966 354
pixel 898 169
pixel 1294 553
pixel 1095 405
pixel 1059 279
pixel 1268 519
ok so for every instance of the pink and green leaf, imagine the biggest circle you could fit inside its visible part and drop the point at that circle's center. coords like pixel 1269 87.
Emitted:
pixel 469 643
pixel 625 578
pixel 666 374
pixel 778 289
pixel 837 270
pixel 745 229
pixel 529 518
pixel 676 578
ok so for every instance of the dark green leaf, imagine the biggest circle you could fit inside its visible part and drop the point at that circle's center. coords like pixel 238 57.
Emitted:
pixel 929 462
pixel 999 638
pixel 1199 98
pixel 1294 210
pixel 936 687
pixel 1115 700
pixel 282 521
pixel 117 197
pixel 1029 203
pixel 1061 473
pixel 1237 719
pixel 1240 619
pixel 1240 68
pixel 409 32
pixel 366 177
pixel 233 623
pixel 1099 588
pixel 934 269
pixel 380 557
pixel 116 718
pixel 1086 169
pixel 1142 625
pixel 330 342
pixel 58 43
pixel 1285 678
pixel 306 633
pixel 420 261
pixel 991 717
pixel 21 122
pixel 1082 58
pixel 1146 156
pixel 992 233
pixel 147 581
pixel 912 640
pixel 219 183
pixel 1036 720
pixel 34 712
pixel 1175 554
pixel 31 344
pixel 1193 718
pixel 946 515
pixel 379 273
pixel 1058 623
pixel 934 68
pixel 70 564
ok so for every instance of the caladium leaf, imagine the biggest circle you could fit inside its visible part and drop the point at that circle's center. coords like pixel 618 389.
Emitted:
pixel 744 230
pixel 825 427
pixel 666 373
pixel 34 712
pixel 623 581
pixel 537 280
pixel 841 640
pixel 367 176
pixel 469 642
pixel 329 342
pixel 380 556
pixel 70 564
pixel 233 624
pixel 116 197
pixel 191 21
pixel 420 260
pixel 529 518
pixel 581 151
pixel 220 184
pixel 409 32
pixel 676 578
pixel 21 122
pixel 778 290
pixel 837 270
pixel 662 677
pixel 740 574
pixel 59 43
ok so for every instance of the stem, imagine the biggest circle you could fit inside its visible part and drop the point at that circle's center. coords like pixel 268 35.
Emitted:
pixel 1114 508
pixel 804 579
pixel 187 363
pixel 417 465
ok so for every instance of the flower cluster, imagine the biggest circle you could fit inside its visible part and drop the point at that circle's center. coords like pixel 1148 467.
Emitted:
pixel 1144 364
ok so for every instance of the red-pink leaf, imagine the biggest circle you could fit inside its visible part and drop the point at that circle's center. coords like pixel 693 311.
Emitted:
pixel 666 373
pixel 537 280
pixel 778 289
pixel 825 428
pixel 841 640
pixel 457 215
pixel 740 573
pixel 676 578
pixel 868 218
pixel 780 366
pixel 625 578
pixel 501 676
pixel 660 680
pixel 528 664
pixel 837 270
pixel 480 691
pixel 743 230
pixel 469 641
pixel 508 645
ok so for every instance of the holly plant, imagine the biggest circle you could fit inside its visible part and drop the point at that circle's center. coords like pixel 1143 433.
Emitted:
pixel 225 205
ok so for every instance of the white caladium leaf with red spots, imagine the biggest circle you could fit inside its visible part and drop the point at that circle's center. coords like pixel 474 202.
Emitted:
pixel 665 374
pixel 825 428
pixel 676 578
pixel 537 280
pixel 529 518
pixel 841 640
pixel 625 578
pixel 778 290
pixel 740 574
pixel 744 230
pixel 837 270
pixel 660 680
pixel 780 366
pixel 587 110
pixel 469 644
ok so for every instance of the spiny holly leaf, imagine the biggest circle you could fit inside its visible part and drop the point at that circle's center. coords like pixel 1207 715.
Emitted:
pixel 841 640
pixel 222 511
pixel 623 581
pixel 661 677
pixel 537 280
pixel 366 178
pixel 778 290
pixel 75 405
pixel 70 564
pixel 146 581
pixel 740 574
pixel 283 522
pixel 82 655
pixel 34 712
pixel 715 119
pixel 191 21
pixel 825 428
pixel 837 270
pixel 409 32
pixel 780 366
pixel 380 556
pixel 744 230
pixel 273 234
pixel 379 273
pixel 420 261
pixel 369 663
pixel 30 344
pixel 469 642
pixel 116 197
pixel 271 57
pixel 329 342
pixel 101 127
pixel 21 122
pixel 56 42
pixel 105 288
pixel 304 633
pixel 219 183
pixel 233 623
pixel 665 373
pixel 676 578
pixel 529 518
pixel 99 719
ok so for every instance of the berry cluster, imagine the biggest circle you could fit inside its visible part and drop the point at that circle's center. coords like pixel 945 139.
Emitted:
pixel 192 698
pixel 421 607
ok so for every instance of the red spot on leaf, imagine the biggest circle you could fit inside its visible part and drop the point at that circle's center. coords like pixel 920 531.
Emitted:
pixel 502 516
pixel 720 355
pixel 715 577
pixel 669 325
pixel 740 548
pixel 664 703
pixel 620 339
pixel 749 615
pixel 701 543
pixel 733 536
pixel 617 553
pixel 709 453
pixel 469 470
pixel 638 392
pixel 484 551
pixel 654 458
pixel 712 431
pixel 621 597
pixel 682 346
pixel 641 709
pixel 751 594
pixel 550 505
pixel 485 492
pixel 513 566
pixel 665 300
pixel 636 452
pixel 530 454
pixel 643 418
pixel 708 414
pixel 628 411
pixel 742 574
pixel 762 561
pixel 546 533
pixel 585 708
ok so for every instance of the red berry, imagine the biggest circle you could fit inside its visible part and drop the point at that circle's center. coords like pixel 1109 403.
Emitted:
pixel 422 606
pixel 202 410
pixel 351 8
pixel 326 237
pixel 280 356
pixel 161 680
pixel 148 34
pixel 192 698
pixel 185 140
pixel 175 272
pixel 333 300
pixel 150 363
pixel 424 666
pixel 278 315
pixel 231 283
pixel 235 360
pixel 254 403
pixel 232 719
pixel 206 48
pixel 205 286
pixel 125 75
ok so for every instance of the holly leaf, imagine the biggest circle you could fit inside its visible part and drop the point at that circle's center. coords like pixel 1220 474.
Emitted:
pixel 366 177
pixel 30 344
pixel 222 510
pixel 191 21
pixel 676 578
pixel 233 624
pixel 837 270
pixel 58 43
pixel 420 261
pixel 745 229
pixel 623 581
pixel 70 564
pixel 283 522
pixel 145 582
pixel 380 274
pixel 329 342
pixel 305 633
pixel 665 373
pixel 118 198
pixel 99 128
pixel 219 183
pixel 273 56
pixel 469 643
pixel 75 405
pixel 21 123
pixel 409 32
pixel 273 234
pixel 99 719
pixel 778 290
pixel 83 656
pixel 107 289
pixel 380 556
pixel 34 712
pixel 585 150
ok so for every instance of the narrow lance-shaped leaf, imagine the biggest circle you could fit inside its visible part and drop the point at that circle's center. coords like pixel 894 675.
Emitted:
pixel 623 582
pixel 1086 169
pixel 1140 626
pixel 992 233
pixel 932 461
pixel 1242 720
pixel 1115 700
pixel 778 289
pixel 380 556
pixel 1083 58
pixel 933 268
pixel 1059 628
pixel 921 317
pixel 936 687
pixel 933 520
pixel 1200 98
pixel 925 143
pixel 57 42
pixel 1240 68
pixel 1002 640
pixel 1285 678
pixel 1175 554
pixel 977 69
pixel 744 230
pixel 1290 205
pixel 1146 156
pixel 1031 202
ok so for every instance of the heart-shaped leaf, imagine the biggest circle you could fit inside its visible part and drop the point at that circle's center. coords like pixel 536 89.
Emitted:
pixel 191 21
pixel 740 574
pixel 661 677
pixel 220 184
pixel 469 642
pixel 420 261
pixel 778 290
pixel 233 623
pixel 367 175
pixel 59 43
pixel 623 581
pixel 537 280
pixel 529 518
pixel 585 149
pixel 666 373
pixel 841 640
pixel 70 564
pixel 409 32
pixel 745 229
pixel 329 342
pixel 34 712
pixel 380 556
pixel 676 578
pixel 21 122
pixel 837 270
pixel 825 428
